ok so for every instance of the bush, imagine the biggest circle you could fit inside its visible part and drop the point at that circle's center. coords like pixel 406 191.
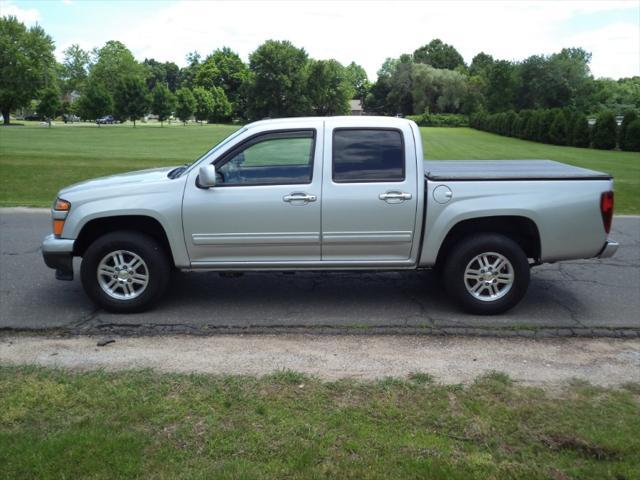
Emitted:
pixel 605 131
pixel 531 133
pixel 508 121
pixel 558 131
pixel 440 120
pixel 632 136
pixel 580 132
pixel 544 126
pixel 629 118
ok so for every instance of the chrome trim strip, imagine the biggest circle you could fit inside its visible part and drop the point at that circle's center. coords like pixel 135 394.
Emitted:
pixel 367 237
pixel 287 238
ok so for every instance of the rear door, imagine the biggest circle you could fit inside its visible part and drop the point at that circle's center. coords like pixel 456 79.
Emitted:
pixel 369 194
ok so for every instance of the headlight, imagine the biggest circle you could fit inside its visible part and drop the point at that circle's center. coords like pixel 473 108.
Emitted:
pixel 61 205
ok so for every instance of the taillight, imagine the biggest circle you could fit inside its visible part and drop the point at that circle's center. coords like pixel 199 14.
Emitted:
pixel 606 209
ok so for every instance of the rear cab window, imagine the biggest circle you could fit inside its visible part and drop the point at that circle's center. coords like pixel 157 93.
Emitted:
pixel 363 155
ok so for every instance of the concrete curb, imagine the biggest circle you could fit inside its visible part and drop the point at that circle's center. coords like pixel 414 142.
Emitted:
pixel 135 330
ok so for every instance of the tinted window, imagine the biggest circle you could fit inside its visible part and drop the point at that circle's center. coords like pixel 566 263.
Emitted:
pixel 367 155
pixel 273 159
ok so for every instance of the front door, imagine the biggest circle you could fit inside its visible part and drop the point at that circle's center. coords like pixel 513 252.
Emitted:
pixel 369 194
pixel 265 207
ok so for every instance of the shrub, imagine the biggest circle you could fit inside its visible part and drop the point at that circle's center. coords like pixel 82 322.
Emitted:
pixel 629 118
pixel 516 129
pixel 509 120
pixel 580 132
pixel 558 130
pixel 440 120
pixel 604 131
pixel 544 126
pixel 632 136
pixel 531 132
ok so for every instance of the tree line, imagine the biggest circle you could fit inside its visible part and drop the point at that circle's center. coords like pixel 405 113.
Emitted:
pixel 279 80
pixel 433 83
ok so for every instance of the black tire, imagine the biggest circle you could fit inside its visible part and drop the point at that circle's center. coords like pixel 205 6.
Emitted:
pixel 468 250
pixel 156 266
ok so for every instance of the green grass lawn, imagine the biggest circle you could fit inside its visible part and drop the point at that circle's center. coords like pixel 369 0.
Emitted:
pixel 35 161
pixel 56 424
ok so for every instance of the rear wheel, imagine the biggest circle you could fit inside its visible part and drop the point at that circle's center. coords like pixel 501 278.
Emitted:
pixel 487 274
pixel 125 272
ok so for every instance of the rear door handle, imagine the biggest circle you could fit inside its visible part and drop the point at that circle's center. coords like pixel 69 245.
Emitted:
pixel 394 197
pixel 299 197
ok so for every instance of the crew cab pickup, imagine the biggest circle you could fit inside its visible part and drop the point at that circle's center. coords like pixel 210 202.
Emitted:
pixel 335 193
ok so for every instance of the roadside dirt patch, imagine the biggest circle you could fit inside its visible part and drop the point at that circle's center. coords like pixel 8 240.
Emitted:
pixel 605 362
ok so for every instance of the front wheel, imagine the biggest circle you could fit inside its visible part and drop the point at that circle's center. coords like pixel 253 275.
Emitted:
pixel 487 274
pixel 125 272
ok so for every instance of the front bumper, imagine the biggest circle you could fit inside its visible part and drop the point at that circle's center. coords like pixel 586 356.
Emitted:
pixel 609 249
pixel 58 254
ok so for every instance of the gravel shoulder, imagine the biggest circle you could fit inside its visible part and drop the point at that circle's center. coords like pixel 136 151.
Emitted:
pixel 450 360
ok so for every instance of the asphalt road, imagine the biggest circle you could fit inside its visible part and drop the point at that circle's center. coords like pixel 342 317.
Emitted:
pixel 590 297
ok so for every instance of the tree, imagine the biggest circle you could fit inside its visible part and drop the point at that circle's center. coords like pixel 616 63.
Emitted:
pixel 604 131
pixel 26 64
pixel 185 104
pixel 224 69
pixel 131 98
pixel 377 100
pixel 628 118
pixel 279 80
pixel 400 97
pixel 95 102
pixel 49 103
pixel 188 73
pixel 439 55
pixel 580 135
pixel 558 132
pixel 500 87
pixel 329 88
pixel 115 64
pixel 167 73
pixel 632 136
pixel 358 79
pixel 204 103
pixel 436 90
pixel 221 107
pixel 163 102
pixel 481 64
pixel 74 69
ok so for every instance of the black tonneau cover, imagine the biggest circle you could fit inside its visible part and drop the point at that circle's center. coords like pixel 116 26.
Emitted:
pixel 507 170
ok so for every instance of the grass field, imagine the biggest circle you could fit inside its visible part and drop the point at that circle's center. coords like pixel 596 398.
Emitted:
pixel 35 161
pixel 55 424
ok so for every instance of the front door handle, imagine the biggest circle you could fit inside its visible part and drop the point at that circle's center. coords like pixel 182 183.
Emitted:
pixel 299 197
pixel 394 197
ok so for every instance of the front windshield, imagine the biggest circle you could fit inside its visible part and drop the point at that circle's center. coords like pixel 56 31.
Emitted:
pixel 213 150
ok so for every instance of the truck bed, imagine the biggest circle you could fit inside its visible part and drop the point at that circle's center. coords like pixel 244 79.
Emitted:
pixel 441 170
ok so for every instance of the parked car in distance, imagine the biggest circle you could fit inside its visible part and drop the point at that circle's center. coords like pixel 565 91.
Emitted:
pixel 69 117
pixel 336 193
pixel 105 120
pixel 34 117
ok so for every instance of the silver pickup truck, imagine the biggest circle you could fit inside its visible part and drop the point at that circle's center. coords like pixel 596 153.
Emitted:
pixel 338 193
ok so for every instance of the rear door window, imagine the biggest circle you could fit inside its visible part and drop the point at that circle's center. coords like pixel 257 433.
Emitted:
pixel 368 155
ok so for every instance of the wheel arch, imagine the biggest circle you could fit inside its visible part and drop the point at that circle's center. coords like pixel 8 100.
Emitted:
pixel 520 229
pixel 97 227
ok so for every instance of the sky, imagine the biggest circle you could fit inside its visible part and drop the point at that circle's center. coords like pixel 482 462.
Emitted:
pixel 366 32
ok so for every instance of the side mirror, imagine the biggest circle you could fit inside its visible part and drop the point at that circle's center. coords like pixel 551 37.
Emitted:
pixel 207 176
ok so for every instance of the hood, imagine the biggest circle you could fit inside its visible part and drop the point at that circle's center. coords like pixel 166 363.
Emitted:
pixel 137 177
